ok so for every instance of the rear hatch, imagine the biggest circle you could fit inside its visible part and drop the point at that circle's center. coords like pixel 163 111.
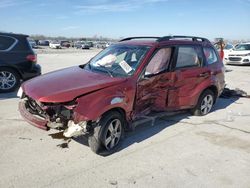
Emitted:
pixel 26 58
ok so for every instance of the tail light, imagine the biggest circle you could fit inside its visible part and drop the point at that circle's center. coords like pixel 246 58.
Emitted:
pixel 32 58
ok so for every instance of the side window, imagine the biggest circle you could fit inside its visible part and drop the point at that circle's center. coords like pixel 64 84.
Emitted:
pixel 159 62
pixel 188 56
pixel 6 42
pixel 210 55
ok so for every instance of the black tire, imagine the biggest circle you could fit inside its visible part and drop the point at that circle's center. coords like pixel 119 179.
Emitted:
pixel 97 141
pixel 14 76
pixel 199 109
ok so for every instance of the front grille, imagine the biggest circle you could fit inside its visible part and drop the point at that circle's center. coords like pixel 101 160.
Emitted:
pixel 234 58
pixel 236 55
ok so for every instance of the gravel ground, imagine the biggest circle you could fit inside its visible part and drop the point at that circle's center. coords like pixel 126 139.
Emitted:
pixel 178 151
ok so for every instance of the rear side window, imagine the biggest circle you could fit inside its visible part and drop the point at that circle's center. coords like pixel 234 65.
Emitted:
pixel 188 56
pixel 210 55
pixel 6 42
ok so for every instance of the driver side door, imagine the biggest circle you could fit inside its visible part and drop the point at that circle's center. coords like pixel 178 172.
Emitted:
pixel 154 83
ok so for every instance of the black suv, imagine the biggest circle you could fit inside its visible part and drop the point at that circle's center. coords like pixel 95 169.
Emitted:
pixel 17 61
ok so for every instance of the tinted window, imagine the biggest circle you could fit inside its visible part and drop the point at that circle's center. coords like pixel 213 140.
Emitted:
pixel 240 47
pixel 6 42
pixel 228 47
pixel 210 55
pixel 159 62
pixel 188 56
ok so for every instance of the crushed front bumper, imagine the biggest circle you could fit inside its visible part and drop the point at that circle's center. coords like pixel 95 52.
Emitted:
pixel 30 118
pixel 44 117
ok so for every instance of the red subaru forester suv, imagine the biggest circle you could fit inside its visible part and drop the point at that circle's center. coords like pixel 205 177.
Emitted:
pixel 125 82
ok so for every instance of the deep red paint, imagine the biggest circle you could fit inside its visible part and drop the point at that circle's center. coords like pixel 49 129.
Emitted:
pixel 179 89
pixel 97 103
pixel 67 84
pixel 33 120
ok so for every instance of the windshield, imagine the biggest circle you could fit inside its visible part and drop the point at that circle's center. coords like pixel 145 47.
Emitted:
pixel 55 42
pixel 118 60
pixel 228 47
pixel 241 47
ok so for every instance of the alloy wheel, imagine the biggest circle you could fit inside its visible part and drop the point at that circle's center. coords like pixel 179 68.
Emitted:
pixel 206 104
pixel 7 80
pixel 113 134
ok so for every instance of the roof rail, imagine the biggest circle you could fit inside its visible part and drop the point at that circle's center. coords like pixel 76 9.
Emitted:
pixel 165 38
pixel 13 34
pixel 131 38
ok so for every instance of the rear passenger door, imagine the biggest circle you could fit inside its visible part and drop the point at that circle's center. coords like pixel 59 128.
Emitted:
pixel 190 72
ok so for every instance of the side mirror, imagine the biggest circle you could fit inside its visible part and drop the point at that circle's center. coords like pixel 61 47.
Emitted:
pixel 144 76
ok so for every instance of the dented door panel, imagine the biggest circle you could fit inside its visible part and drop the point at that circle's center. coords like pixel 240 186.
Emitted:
pixel 188 86
pixel 152 93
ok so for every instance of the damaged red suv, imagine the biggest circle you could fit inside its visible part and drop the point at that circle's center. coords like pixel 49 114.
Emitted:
pixel 125 82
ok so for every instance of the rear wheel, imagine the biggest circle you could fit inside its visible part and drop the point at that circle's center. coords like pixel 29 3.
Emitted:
pixel 205 103
pixel 9 80
pixel 108 134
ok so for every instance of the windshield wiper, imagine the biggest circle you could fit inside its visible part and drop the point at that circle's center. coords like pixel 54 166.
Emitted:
pixel 106 69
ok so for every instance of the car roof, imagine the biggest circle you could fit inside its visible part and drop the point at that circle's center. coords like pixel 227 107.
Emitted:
pixel 13 34
pixel 139 42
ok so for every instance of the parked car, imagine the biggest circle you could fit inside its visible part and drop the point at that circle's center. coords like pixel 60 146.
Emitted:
pixel 81 45
pixel 43 42
pixel 65 43
pixel 77 45
pixel 91 44
pixel 101 45
pixel 17 61
pixel 127 81
pixel 32 43
pixel 55 45
pixel 240 55
pixel 227 48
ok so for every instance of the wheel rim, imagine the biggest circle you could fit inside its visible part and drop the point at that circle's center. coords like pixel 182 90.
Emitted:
pixel 113 134
pixel 206 104
pixel 7 80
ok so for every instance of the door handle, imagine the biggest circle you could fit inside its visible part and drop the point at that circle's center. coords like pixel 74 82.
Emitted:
pixel 164 80
pixel 204 74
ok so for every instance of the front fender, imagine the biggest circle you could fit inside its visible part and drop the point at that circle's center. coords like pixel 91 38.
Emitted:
pixel 92 106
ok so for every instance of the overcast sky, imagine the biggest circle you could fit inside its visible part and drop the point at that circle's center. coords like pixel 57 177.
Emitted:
pixel 113 18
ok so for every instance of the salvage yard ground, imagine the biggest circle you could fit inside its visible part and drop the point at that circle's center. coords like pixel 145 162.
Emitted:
pixel 178 151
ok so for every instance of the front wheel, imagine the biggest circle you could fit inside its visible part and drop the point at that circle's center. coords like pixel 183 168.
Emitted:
pixel 108 134
pixel 205 104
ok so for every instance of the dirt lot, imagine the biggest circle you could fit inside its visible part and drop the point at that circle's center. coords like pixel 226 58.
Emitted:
pixel 178 151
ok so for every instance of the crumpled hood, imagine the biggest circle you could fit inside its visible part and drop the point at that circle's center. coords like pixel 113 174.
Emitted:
pixel 66 84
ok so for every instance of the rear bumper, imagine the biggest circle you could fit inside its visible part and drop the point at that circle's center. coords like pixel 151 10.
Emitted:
pixel 85 47
pixel 30 118
pixel 35 71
